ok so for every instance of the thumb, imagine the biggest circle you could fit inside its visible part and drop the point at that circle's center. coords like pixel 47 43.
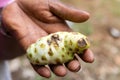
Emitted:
pixel 68 13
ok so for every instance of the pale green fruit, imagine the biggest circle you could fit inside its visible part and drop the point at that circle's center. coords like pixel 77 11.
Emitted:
pixel 57 48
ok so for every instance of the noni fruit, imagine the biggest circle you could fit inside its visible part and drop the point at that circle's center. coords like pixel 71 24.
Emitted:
pixel 57 48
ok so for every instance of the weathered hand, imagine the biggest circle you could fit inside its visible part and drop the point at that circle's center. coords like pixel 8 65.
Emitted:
pixel 28 20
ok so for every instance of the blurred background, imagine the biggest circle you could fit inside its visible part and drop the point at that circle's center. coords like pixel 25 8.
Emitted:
pixel 103 30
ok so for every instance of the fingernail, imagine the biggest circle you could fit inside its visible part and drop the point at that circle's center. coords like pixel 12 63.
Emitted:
pixel 74 66
pixel 60 70
pixel 88 56
pixel 44 72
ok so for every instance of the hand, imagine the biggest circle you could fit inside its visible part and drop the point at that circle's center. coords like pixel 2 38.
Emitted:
pixel 28 20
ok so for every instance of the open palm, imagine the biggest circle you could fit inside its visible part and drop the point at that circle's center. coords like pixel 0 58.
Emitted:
pixel 28 20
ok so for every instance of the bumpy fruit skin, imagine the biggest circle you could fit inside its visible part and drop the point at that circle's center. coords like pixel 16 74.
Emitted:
pixel 57 48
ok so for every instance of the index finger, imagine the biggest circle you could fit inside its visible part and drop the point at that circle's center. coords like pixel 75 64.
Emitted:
pixel 68 13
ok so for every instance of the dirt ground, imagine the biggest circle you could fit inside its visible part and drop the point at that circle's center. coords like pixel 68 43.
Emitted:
pixel 104 15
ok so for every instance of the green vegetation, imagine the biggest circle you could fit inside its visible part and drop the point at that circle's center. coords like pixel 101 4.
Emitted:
pixel 84 28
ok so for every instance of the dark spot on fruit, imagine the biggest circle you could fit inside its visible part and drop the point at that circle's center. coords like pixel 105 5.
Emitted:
pixel 42 45
pixel 55 43
pixel 71 42
pixel 81 42
pixel 56 46
pixel 66 46
pixel 30 55
pixel 76 49
pixel 35 50
pixel 70 49
pixel 50 52
pixel 43 58
pixel 63 49
pixel 37 61
pixel 55 37
pixel 63 56
pixel 65 42
pixel 68 53
pixel 58 60
pixel 49 42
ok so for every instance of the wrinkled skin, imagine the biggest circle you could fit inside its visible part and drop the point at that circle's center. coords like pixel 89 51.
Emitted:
pixel 28 20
